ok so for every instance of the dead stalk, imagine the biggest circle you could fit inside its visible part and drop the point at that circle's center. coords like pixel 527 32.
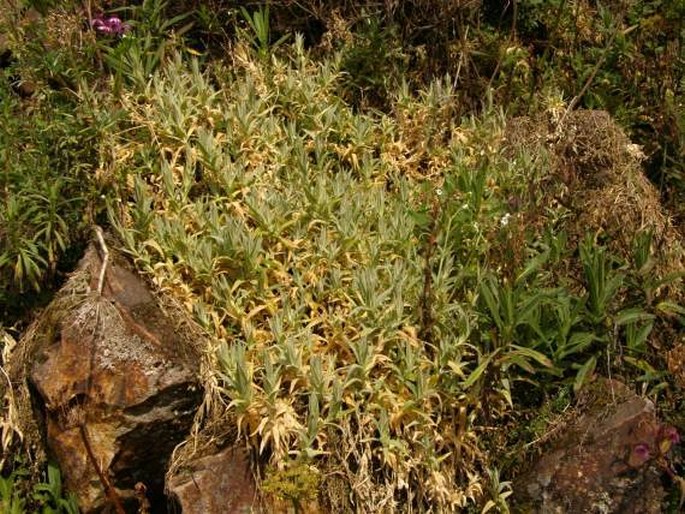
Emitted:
pixel 105 258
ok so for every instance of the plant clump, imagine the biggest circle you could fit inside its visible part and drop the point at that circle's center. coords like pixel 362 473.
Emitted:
pixel 386 266
pixel 595 185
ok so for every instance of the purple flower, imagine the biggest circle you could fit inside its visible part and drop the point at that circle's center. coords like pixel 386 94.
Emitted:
pixel 109 25
pixel 639 455
pixel 642 450
pixel 672 434
pixel 668 436
pixel 97 24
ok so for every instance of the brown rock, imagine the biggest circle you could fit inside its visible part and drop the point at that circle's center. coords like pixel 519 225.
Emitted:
pixel 216 484
pixel 120 389
pixel 606 461
pixel 676 362
pixel 211 481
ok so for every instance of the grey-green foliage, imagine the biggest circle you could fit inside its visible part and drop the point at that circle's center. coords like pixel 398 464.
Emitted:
pixel 344 266
pixel 347 266
pixel 299 245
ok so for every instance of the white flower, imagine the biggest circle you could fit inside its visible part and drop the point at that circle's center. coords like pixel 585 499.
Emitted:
pixel 505 220
pixel 635 151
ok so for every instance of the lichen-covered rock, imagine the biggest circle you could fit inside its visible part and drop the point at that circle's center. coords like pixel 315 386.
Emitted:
pixel 610 459
pixel 119 387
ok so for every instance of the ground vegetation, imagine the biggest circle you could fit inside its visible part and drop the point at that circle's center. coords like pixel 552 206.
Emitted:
pixel 409 233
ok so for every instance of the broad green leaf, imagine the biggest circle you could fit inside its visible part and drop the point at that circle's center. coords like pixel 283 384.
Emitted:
pixel 576 344
pixel 534 265
pixel 490 295
pixel 669 279
pixel 632 315
pixel 640 364
pixel 671 308
pixel 533 354
pixel 476 373
pixel 636 335
pixel 585 371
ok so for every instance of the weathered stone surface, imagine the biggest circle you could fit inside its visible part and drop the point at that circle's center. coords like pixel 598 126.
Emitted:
pixel 608 461
pixel 221 483
pixel 117 378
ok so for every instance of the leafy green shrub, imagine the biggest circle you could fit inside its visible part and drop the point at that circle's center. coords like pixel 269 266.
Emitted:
pixel 373 64
pixel 134 56
pixel 344 267
pixel 48 153
pixel 46 159
pixel 44 498
pixel 54 147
